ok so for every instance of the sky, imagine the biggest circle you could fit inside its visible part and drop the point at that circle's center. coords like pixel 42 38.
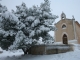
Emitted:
pixel 69 7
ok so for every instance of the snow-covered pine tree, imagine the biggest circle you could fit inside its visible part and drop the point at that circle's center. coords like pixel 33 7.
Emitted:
pixel 10 30
pixel 21 42
pixel 47 20
pixel 10 25
pixel 37 19
pixel 38 22
pixel 3 9
pixel 22 14
pixel 42 22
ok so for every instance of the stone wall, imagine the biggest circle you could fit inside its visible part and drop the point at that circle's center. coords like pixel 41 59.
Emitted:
pixel 49 49
pixel 69 30
pixel 37 49
pixel 77 32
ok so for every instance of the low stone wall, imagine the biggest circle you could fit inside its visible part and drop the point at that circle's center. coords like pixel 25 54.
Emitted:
pixel 37 50
pixel 49 49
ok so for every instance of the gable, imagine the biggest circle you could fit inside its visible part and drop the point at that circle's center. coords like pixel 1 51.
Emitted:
pixel 67 21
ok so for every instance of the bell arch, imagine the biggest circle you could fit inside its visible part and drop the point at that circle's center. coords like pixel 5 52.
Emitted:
pixel 63 16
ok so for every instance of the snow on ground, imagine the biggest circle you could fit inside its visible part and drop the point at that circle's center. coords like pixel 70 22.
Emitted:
pixel 73 55
pixel 1 49
pixel 11 53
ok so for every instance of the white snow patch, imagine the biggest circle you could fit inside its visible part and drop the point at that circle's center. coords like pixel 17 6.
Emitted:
pixel 43 28
pixel 32 33
pixel 11 53
pixel 40 41
pixel 1 49
pixel 73 41
pixel 9 15
pixel 30 18
pixel 51 33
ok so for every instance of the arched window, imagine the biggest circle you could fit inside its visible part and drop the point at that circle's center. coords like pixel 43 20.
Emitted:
pixel 63 26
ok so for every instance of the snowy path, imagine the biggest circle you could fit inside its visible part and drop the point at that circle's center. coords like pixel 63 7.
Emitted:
pixel 74 55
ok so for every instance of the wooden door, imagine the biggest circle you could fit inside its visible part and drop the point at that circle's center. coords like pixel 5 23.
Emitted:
pixel 65 40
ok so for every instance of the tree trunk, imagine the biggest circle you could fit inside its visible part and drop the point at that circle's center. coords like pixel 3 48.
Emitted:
pixel 25 51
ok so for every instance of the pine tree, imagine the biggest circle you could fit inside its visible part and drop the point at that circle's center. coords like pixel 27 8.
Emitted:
pixel 21 42
pixel 37 19
pixel 37 22
pixel 42 21
pixel 10 25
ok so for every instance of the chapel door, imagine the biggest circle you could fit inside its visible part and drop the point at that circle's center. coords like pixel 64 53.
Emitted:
pixel 65 40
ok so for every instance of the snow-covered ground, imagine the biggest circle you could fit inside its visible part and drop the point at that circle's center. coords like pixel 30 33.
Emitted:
pixel 18 55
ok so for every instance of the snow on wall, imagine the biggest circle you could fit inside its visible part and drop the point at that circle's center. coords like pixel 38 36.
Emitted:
pixel 57 47
pixel 72 41
pixel 69 42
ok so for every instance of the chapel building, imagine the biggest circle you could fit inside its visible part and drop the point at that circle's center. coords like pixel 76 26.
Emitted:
pixel 68 30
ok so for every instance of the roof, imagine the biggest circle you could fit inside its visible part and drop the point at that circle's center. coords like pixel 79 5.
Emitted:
pixel 63 19
pixel 77 23
pixel 70 20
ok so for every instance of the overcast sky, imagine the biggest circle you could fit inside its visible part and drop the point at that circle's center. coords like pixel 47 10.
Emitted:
pixel 69 7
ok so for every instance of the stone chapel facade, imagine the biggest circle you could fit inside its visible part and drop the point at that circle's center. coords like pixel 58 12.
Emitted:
pixel 68 30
